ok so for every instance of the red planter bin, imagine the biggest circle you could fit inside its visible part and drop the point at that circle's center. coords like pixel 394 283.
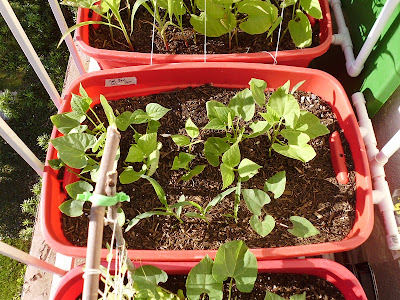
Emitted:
pixel 160 78
pixel 71 286
pixel 109 59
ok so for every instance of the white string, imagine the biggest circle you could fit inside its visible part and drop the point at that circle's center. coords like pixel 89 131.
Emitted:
pixel 152 36
pixel 111 249
pixel 279 34
pixel 88 271
pixel 205 30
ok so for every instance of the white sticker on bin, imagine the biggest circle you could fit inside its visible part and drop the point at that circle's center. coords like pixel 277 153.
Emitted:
pixel 121 81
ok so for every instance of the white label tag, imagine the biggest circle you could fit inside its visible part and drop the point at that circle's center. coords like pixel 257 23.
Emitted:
pixel 121 81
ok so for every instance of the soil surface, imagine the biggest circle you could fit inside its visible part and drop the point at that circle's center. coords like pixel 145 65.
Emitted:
pixel 190 42
pixel 312 190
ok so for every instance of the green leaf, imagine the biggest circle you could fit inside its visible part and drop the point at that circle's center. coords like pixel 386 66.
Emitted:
pixel 146 279
pixel 272 296
pixel 233 259
pixel 80 104
pixel 284 105
pixel 191 129
pixel 298 296
pixel 310 125
pixel 147 143
pixel 181 140
pixel 218 199
pixel 145 215
pixel 247 168
pixel 129 175
pixel 64 123
pixel 276 184
pixel 262 228
pixel 210 107
pixel 196 171
pixel 227 175
pixel 302 227
pixel 296 87
pixel 108 110
pixel 288 3
pixel 153 160
pixel 261 15
pixel 139 117
pixel 182 161
pixel 158 189
pixel 271 116
pixel 300 30
pixel 55 164
pixel 135 154
pixel 304 152
pixel 78 187
pixel 120 217
pixel 153 126
pixel 214 26
pixel 200 280
pixel 123 120
pixel 71 148
pixel 312 7
pixel 76 116
pixel 72 208
pixel 215 124
pixel 243 104
pixel 156 111
pixel 231 157
pixel 223 114
pixel 259 128
pixel 82 91
pixel 195 215
pixel 214 147
pixel 255 200
pixel 295 137
pixel 257 87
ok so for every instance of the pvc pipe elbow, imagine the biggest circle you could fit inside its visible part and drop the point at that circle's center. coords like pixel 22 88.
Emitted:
pixel 352 69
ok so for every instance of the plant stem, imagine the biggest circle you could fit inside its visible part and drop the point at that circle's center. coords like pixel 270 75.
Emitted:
pixel 230 288
pixel 97 118
pixel 237 200
pixel 79 175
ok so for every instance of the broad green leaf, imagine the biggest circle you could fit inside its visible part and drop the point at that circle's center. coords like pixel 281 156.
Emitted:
pixel 196 171
pixel 178 209
pixel 227 175
pixel 214 9
pixel 145 215
pixel 232 156
pixel 200 280
pixel 214 26
pixel 262 228
pixel 298 297
pixel 247 168
pixel 139 116
pixel 259 127
pixel 153 160
pixel 55 164
pixel 72 208
pixel 284 105
pixel 108 110
pixel 82 91
pixel 146 279
pixel 210 107
pixel 147 143
pixel 153 126
pixel 71 148
pixel 79 129
pixel 135 154
pixel 129 175
pixel 271 116
pixel 296 87
pixel 223 114
pixel 120 217
pixel 78 187
pixel 274 26
pixel 182 161
pixel 100 143
pixel 302 227
pixel 80 104
pixel 181 140
pixel 255 200
pixel 64 123
pixel 295 137
pixel 191 129
pixel 76 116
pixel 312 7
pixel 216 124
pixel 123 120
pixel 156 111
pixel 272 296
pixel 234 259
pixel 304 152
pixel 214 147
pixel 243 104
pixel 218 199
pixel 310 124
pixel 288 3
pixel 257 87
pixel 286 87
pixel 158 189
pixel 261 15
pixel 300 30
pixel 276 184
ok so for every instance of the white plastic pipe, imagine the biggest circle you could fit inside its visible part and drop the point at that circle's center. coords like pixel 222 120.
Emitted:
pixel 55 7
pixel 28 259
pixel 381 193
pixel 20 35
pixel 354 66
pixel 19 146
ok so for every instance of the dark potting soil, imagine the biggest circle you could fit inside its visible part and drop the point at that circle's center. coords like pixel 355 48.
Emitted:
pixel 141 38
pixel 312 190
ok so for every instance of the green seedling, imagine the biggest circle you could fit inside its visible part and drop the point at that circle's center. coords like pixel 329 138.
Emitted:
pixel 108 10
pixel 183 160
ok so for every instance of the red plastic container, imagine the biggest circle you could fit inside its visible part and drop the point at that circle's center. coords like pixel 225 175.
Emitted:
pixel 71 286
pixel 109 59
pixel 159 78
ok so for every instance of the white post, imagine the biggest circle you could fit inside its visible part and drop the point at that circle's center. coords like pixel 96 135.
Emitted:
pixel 20 35
pixel 18 145
pixel 55 7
